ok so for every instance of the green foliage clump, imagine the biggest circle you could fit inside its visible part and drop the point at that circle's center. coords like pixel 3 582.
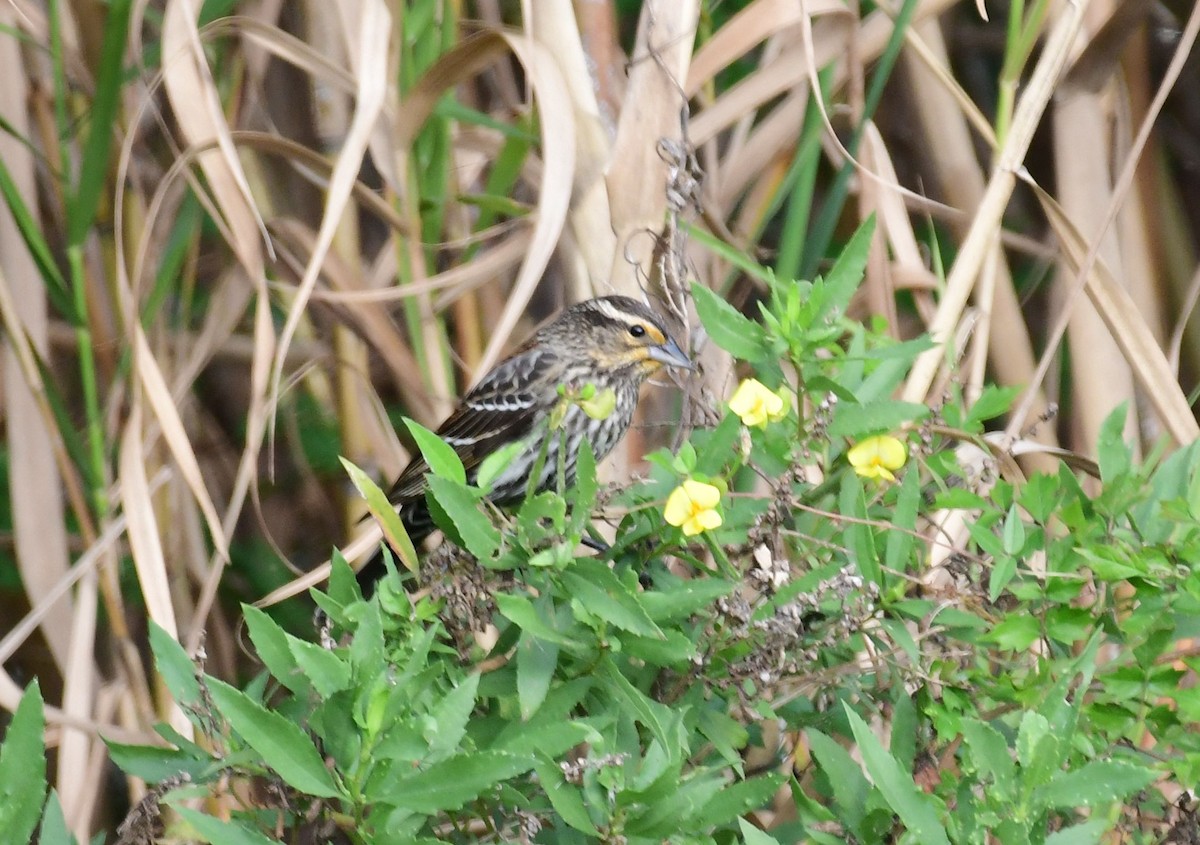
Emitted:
pixel 829 664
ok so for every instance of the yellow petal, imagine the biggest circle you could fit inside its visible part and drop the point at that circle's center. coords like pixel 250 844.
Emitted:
pixel 703 495
pixel 679 507
pixel 891 452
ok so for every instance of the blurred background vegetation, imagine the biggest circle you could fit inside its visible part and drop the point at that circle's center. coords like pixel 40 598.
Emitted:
pixel 239 239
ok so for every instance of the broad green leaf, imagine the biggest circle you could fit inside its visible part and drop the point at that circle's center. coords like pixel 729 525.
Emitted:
pixel 1097 782
pixel 497 462
pixel 220 832
pixel 751 835
pixel 23 768
pixel 271 645
pixel 451 716
pixel 992 402
pixel 990 754
pixel 522 613
pixel 154 764
pixel 536 662
pixel 738 799
pixel 1090 832
pixel 1037 750
pixel 729 328
pixel 328 671
pixel 1013 536
pixel 176 668
pixel 602 594
pixel 898 553
pixel 442 459
pixel 564 797
pixel 54 824
pixel 1015 632
pixel 467 522
pixel 449 784
pixel 1112 452
pixel 681 599
pixel 858 421
pixel 385 514
pixel 913 806
pixel 283 745
pixel 850 787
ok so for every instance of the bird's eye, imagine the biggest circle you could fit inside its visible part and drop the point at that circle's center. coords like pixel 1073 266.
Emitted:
pixel 637 330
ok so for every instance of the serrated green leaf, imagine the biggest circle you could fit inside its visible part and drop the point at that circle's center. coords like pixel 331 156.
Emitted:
pixel 522 613
pixel 1112 453
pixel 23 768
pixel 449 784
pixel 848 270
pixel 283 745
pixel 991 755
pixel 1015 632
pixel 913 806
pixel 467 523
pixel 451 716
pixel 729 328
pixel 738 799
pixel 271 645
pixel 683 598
pixel 850 787
pixel 1097 782
pixel 1090 832
pixel 601 593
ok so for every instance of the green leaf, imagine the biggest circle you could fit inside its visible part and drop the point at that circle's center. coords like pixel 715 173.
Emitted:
pixel 1004 568
pixel 220 832
pixel 451 717
pixel 328 671
pixel 587 487
pixel 449 784
pixel 1015 632
pixel 176 668
pixel 992 402
pixel 898 552
pixel 637 704
pixel 871 418
pixel 442 459
pixel 54 824
pixel 681 599
pixel 738 799
pixel 497 462
pixel 848 270
pixel 990 754
pixel 751 835
pixel 1097 782
pixel 154 764
pixel 1112 453
pixel 729 328
pixel 1014 532
pixel 1086 833
pixel 271 644
pixel 102 113
pixel 385 514
pixel 594 586
pixel 522 613
pixel 536 661
pixel 564 797
pixel 1037 750
pixel 850 787
pixel 23 768
pixel 283 745
pixel 913 806
pixel 467 522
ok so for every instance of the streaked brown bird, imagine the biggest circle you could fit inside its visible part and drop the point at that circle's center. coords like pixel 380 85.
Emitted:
pixel 612 342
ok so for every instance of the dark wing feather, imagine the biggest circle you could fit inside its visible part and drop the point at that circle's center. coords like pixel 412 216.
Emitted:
pixel 500 409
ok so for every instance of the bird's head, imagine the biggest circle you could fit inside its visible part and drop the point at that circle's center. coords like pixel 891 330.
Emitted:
pixel 620 334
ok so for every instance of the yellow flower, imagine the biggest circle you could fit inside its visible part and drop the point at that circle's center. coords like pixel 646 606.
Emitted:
pixel 757 404
pixel 693 507
pixel 876 457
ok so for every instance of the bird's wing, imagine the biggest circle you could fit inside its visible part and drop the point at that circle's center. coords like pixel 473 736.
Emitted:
pixel 500 409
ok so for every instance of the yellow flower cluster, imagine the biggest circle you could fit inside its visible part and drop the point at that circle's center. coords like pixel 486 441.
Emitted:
pixel 692 506
pixel 877 457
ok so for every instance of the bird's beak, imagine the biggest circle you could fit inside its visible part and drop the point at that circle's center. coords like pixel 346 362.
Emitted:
pixel 671 355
